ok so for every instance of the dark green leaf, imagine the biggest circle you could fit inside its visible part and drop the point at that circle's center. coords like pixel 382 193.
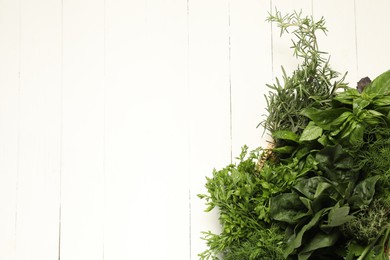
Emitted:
pixel 296 240
pixel 287 208
pixel 337 164
pixel 337 217
pixel 302 152
pixel 321 188
pixel 363 192
pixel 312 187
pixel 308 204
pixel 307 164
pixel 320 240
pixel 354 250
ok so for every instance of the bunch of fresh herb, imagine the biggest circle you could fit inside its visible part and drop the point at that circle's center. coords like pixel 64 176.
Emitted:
pixel 338 193
pixel 312 84
pixel 368 222
pixel 324 192
pixel 241 197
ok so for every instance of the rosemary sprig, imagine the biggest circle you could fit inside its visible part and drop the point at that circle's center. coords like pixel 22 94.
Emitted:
pixel 310 85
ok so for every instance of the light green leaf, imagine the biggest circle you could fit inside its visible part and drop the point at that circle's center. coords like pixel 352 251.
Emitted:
pixel 285 135
pixel 338 216
pixel 342 123
pixel 284 149
pixel 341 120
pixel 380 85
pixel 347 96
pixel 382 101
pixel 311 132
pixel 324 140
pixel 324 118
pixel 356 135
pixel 359 104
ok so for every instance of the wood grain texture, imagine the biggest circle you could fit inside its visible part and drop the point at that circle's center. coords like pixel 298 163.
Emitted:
pixel 9 125
pixel 112 113
pixel 39 142
pixel 251 70
pixel 210 125
pixel 83 131
pixel 147 131
pixel 372 38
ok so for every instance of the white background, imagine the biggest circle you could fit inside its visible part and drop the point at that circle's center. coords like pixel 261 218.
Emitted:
pixel 112 112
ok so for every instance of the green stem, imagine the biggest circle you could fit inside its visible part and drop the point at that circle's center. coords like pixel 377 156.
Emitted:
pixel 373 243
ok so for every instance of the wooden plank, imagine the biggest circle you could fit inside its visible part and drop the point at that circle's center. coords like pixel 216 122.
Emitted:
pixel 373 39
pixel 340 39
pixel 9 84
pixel 147 131
pixel 210 139
pixel 165 105
pixel 251 70
pixel 82 211
pixel 39 145
pixel 124 187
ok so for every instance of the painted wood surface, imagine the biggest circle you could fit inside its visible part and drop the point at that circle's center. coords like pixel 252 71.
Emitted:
pixel 113 112
pixel 37 193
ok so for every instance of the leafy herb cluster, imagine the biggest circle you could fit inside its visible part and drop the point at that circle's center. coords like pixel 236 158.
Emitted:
pixel 324 193
pixel 242 198
pixel 310 85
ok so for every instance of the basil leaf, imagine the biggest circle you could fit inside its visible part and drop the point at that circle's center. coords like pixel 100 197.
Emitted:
pixel 382 101
pixel 356 135
pixel 311 132
pixel 285 135
pixel 324 118
pixel 380 85
pixel 359 104
pixel 284 149
pixel 341 120
pixel 347 96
